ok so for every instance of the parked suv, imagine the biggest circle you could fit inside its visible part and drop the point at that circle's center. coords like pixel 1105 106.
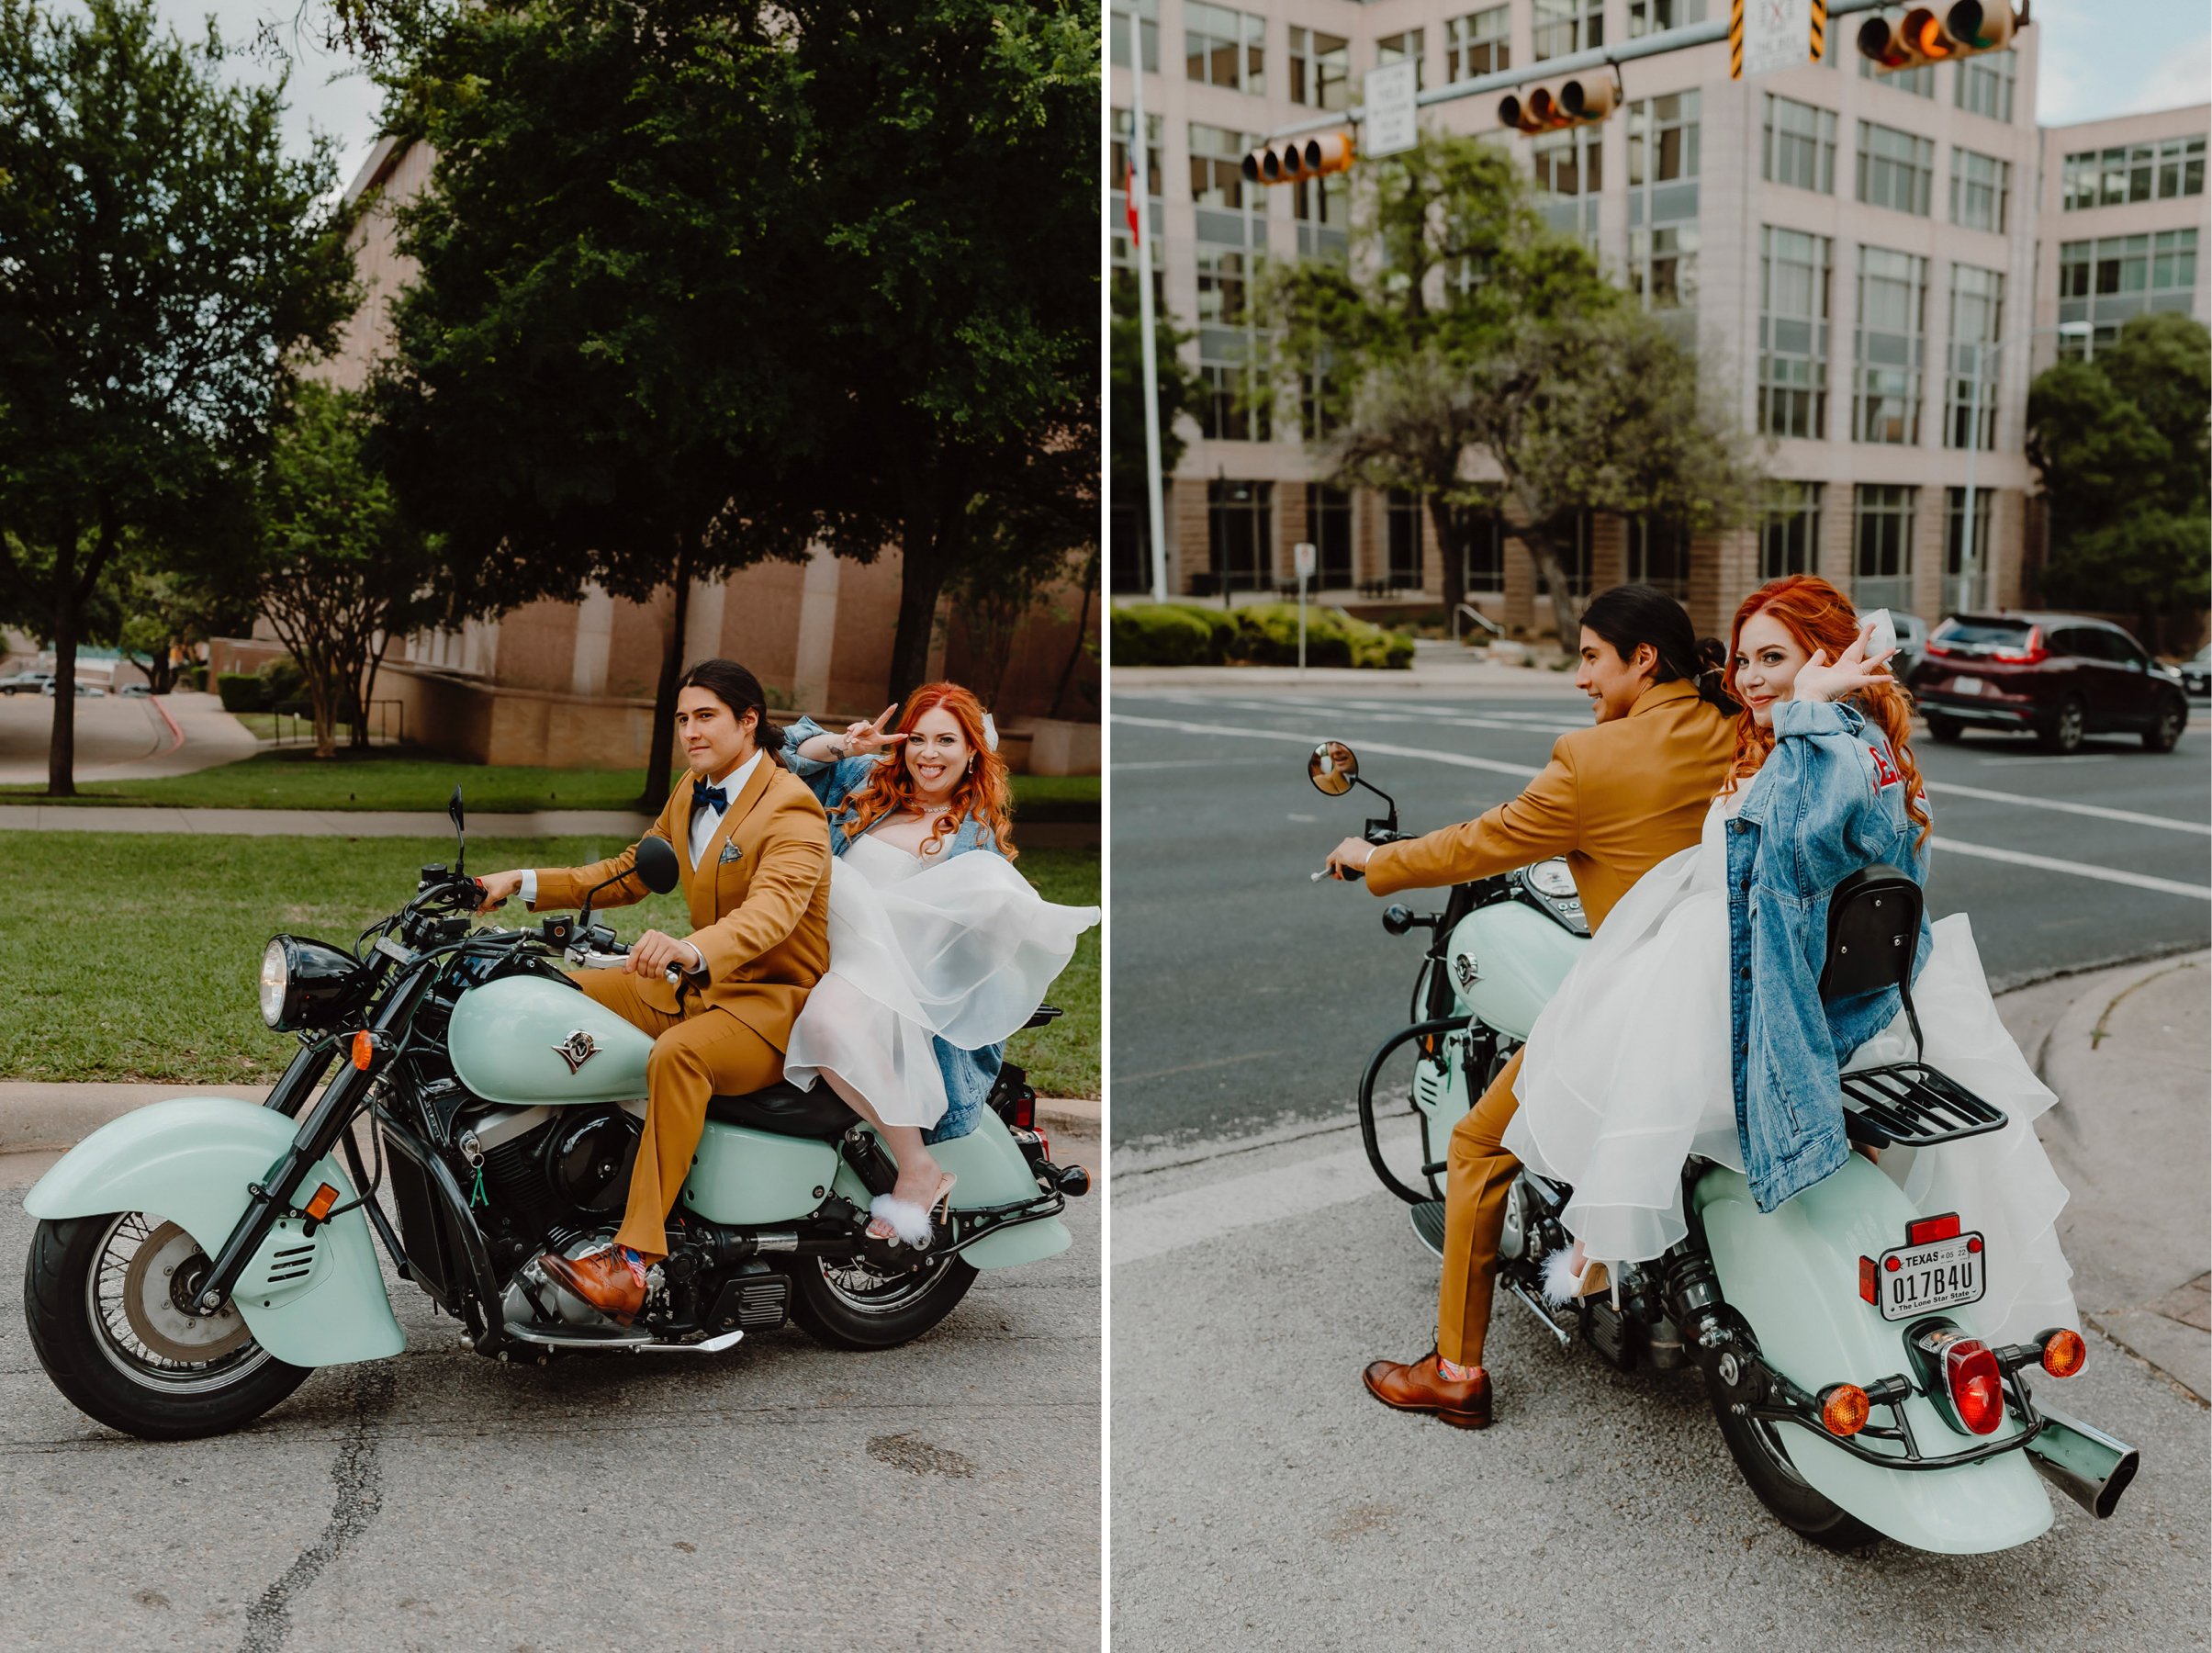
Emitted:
pixel 2058 676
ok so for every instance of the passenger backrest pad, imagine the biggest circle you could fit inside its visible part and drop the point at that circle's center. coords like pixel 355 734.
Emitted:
pixel 1873 932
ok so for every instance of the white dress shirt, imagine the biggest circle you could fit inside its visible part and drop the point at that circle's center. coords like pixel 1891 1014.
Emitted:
pixel 705 822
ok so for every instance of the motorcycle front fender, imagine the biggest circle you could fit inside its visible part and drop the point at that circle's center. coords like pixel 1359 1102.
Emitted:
pixel 988 1169
pixel 1793 1275
pixel 310 1300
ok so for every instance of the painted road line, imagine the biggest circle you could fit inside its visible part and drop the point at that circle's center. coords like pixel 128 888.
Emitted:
pixel 1453 759
pixel 2134 817
pixel 1344 709
pixel 1214 1210
pixel 2141 881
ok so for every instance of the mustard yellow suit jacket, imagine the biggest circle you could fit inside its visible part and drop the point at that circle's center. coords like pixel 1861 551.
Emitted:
pixel 1616 799
pixel 760 899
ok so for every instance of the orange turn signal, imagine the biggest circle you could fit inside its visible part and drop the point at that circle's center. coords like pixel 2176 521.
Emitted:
pixel 1843 1409
pixel 2063 1353
pixel 364 1050
pixel 320 1207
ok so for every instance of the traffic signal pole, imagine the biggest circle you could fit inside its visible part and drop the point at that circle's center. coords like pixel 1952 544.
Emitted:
pixel 1597 57
pixel 1141 214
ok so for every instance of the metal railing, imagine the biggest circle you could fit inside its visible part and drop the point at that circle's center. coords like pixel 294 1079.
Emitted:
pixel 294 724
pixel 1475 615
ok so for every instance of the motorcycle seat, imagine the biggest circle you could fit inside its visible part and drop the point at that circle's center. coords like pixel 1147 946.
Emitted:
pixel 787 1110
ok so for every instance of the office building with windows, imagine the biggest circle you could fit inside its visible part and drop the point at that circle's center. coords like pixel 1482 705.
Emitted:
pixel 1854 256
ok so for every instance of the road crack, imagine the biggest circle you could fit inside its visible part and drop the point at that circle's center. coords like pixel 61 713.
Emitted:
pixel 358 1473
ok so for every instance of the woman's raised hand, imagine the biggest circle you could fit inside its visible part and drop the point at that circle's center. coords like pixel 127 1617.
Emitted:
pixel 1819 681
pixel 864 738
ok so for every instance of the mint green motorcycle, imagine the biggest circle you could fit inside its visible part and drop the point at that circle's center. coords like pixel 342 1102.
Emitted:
pixel 194 1260
pixel 1835 1335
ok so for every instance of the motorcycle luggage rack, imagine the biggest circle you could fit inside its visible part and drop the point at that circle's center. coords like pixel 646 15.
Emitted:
pixel 1874 939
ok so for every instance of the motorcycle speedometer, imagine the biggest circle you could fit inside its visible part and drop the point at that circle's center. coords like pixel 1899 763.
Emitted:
pixel 276 980
pixel 1551 878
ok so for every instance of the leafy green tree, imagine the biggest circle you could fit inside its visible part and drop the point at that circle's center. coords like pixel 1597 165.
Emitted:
pixel 601 367
pixel 1469 353
pixel 163 264
pixel 2120 442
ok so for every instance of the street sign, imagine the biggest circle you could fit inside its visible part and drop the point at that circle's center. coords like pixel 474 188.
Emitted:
pixel 1768 35
pixel 1388 95
pixel 1303 554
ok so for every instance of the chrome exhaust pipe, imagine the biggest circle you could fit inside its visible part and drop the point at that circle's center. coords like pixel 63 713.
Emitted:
pixel 2084 1462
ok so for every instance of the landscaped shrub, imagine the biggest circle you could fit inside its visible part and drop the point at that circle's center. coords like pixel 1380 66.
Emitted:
pixel 282 680
pixel 1170 633
pixel 1267 635
pixel 241 691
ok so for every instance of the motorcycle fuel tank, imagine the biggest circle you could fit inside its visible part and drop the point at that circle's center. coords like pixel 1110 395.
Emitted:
pixel 1506 961
pixel 525 1042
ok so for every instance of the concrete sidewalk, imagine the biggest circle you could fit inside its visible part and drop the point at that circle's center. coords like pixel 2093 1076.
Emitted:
pixel 1438 667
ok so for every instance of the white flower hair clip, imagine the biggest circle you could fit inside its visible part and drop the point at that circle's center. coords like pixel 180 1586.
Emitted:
pixel 990 732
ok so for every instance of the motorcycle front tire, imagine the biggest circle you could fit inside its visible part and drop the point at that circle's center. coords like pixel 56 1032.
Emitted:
pixel 1775 1482
pixel 828 1300
pixel 94 1374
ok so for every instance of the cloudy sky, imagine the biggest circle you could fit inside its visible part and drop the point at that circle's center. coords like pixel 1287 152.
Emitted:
pixel 2090 67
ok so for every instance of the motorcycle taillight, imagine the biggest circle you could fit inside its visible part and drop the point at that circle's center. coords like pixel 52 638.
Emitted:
pixel 1021 1113
pixel 1977 1387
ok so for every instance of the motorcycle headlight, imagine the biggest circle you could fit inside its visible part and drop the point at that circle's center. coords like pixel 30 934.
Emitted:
pixel 276 982
pixel 309 983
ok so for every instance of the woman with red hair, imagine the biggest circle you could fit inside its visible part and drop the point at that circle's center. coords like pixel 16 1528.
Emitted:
pixel 936 953
pixel 1705 979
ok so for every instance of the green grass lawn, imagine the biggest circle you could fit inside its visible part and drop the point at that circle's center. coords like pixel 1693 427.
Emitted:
pixel 130 956
pixel 293 777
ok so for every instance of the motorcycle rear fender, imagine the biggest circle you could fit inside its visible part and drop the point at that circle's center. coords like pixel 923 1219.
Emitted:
pixel 1793 1275
pixel 189 1160
pixel 989 1170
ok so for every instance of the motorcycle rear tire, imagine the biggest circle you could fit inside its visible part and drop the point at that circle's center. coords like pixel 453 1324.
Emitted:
pixel 63 1254
pixel 844 1320
pixel 1775 1482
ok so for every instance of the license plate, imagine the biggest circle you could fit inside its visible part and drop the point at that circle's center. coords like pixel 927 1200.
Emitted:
pixel 1966 685
pixel 1920 1279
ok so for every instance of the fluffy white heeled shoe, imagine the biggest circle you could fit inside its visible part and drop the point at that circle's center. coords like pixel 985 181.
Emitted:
pixel 908 1222
pixel 1567 1276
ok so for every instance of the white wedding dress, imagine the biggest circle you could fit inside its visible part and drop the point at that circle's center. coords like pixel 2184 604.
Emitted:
pixel 1627 1074
pixel 960 948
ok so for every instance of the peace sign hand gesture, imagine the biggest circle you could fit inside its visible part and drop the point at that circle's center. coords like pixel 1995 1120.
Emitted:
pixel 865 737
pixel 1819 681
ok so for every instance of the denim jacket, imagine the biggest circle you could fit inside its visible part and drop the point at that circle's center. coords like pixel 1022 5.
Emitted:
pixel 968 1074
pixel 1829 800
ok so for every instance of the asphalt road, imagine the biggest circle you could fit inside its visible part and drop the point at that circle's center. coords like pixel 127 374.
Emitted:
pixel 780 1495
pixel 1246 998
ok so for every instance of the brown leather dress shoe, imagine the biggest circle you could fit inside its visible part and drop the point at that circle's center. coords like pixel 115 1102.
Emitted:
pixel 1422 1386
pixel 605 1279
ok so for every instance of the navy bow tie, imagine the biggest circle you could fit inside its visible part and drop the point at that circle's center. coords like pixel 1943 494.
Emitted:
pixel 709 797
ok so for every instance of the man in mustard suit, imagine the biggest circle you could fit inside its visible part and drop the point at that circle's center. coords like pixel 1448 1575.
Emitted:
pixel 754 844
pixel 1616 799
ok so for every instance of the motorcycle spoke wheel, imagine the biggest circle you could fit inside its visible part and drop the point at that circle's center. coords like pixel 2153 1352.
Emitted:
pixel 866 1289
pixel 139 1300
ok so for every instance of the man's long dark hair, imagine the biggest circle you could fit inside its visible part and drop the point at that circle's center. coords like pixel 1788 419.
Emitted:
pixel 740 691
pixel 1628 615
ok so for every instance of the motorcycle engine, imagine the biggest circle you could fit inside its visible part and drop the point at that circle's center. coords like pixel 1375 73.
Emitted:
pixel 565 1177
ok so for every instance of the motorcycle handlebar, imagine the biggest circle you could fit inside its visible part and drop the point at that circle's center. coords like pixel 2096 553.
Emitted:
pixel 615 955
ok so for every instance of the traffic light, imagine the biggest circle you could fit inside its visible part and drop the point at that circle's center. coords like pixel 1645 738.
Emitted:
pixel 1929 34
pixel 1576 102
pixel 1296 159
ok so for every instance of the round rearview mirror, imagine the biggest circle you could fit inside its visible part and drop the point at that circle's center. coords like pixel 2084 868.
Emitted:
pixel 1332 767
pixel 656 865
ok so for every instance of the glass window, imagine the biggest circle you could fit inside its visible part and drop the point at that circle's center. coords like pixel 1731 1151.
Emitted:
pixel 1325 200
pixel 1659 553
pixel 1892 302
pixel 1222 275
pixel 1569 175
pixel 1662 267
pixel 1958 592
pixel 1320 406
pixel 1895 169
pixel 1117 163
pixel 1568 26
pixel 2181 167
pixel 1970 411
pixel 1800 145
pixel 1231 411
pixel 1239 531
pixel 1476 43
pixel 1329 527
pixel 1920 81
pixel 1793 333
pixel 1148 15
pixel 1986 83
pixel 1217 157
pixel 1117 210
pixel 1321 69
pixel 1224 48
pixel 1575 559
pixel 1397 49
pixel 1881 563
pixel 1663 139
pixel 1486 554
pixel 1790 536
pixel 1402 518
pixel 1979 184
pixel 1657 16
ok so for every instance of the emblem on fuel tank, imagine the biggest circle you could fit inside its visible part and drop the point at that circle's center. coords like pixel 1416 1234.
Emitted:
pixel 1467 971
pixel 577 1049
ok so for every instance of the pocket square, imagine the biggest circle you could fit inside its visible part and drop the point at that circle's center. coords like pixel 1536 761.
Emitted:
pixel 730 852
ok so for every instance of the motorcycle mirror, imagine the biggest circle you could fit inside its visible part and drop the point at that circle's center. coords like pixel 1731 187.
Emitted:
pixel 656 867
pixel 1332 767
pixel 454 812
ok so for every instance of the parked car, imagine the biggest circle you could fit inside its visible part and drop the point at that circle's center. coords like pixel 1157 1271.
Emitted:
pixel 2197 671
pixel 85 690
pixel 134 691
pixel 2059 677
pixel 1912 644
pixel 26 682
